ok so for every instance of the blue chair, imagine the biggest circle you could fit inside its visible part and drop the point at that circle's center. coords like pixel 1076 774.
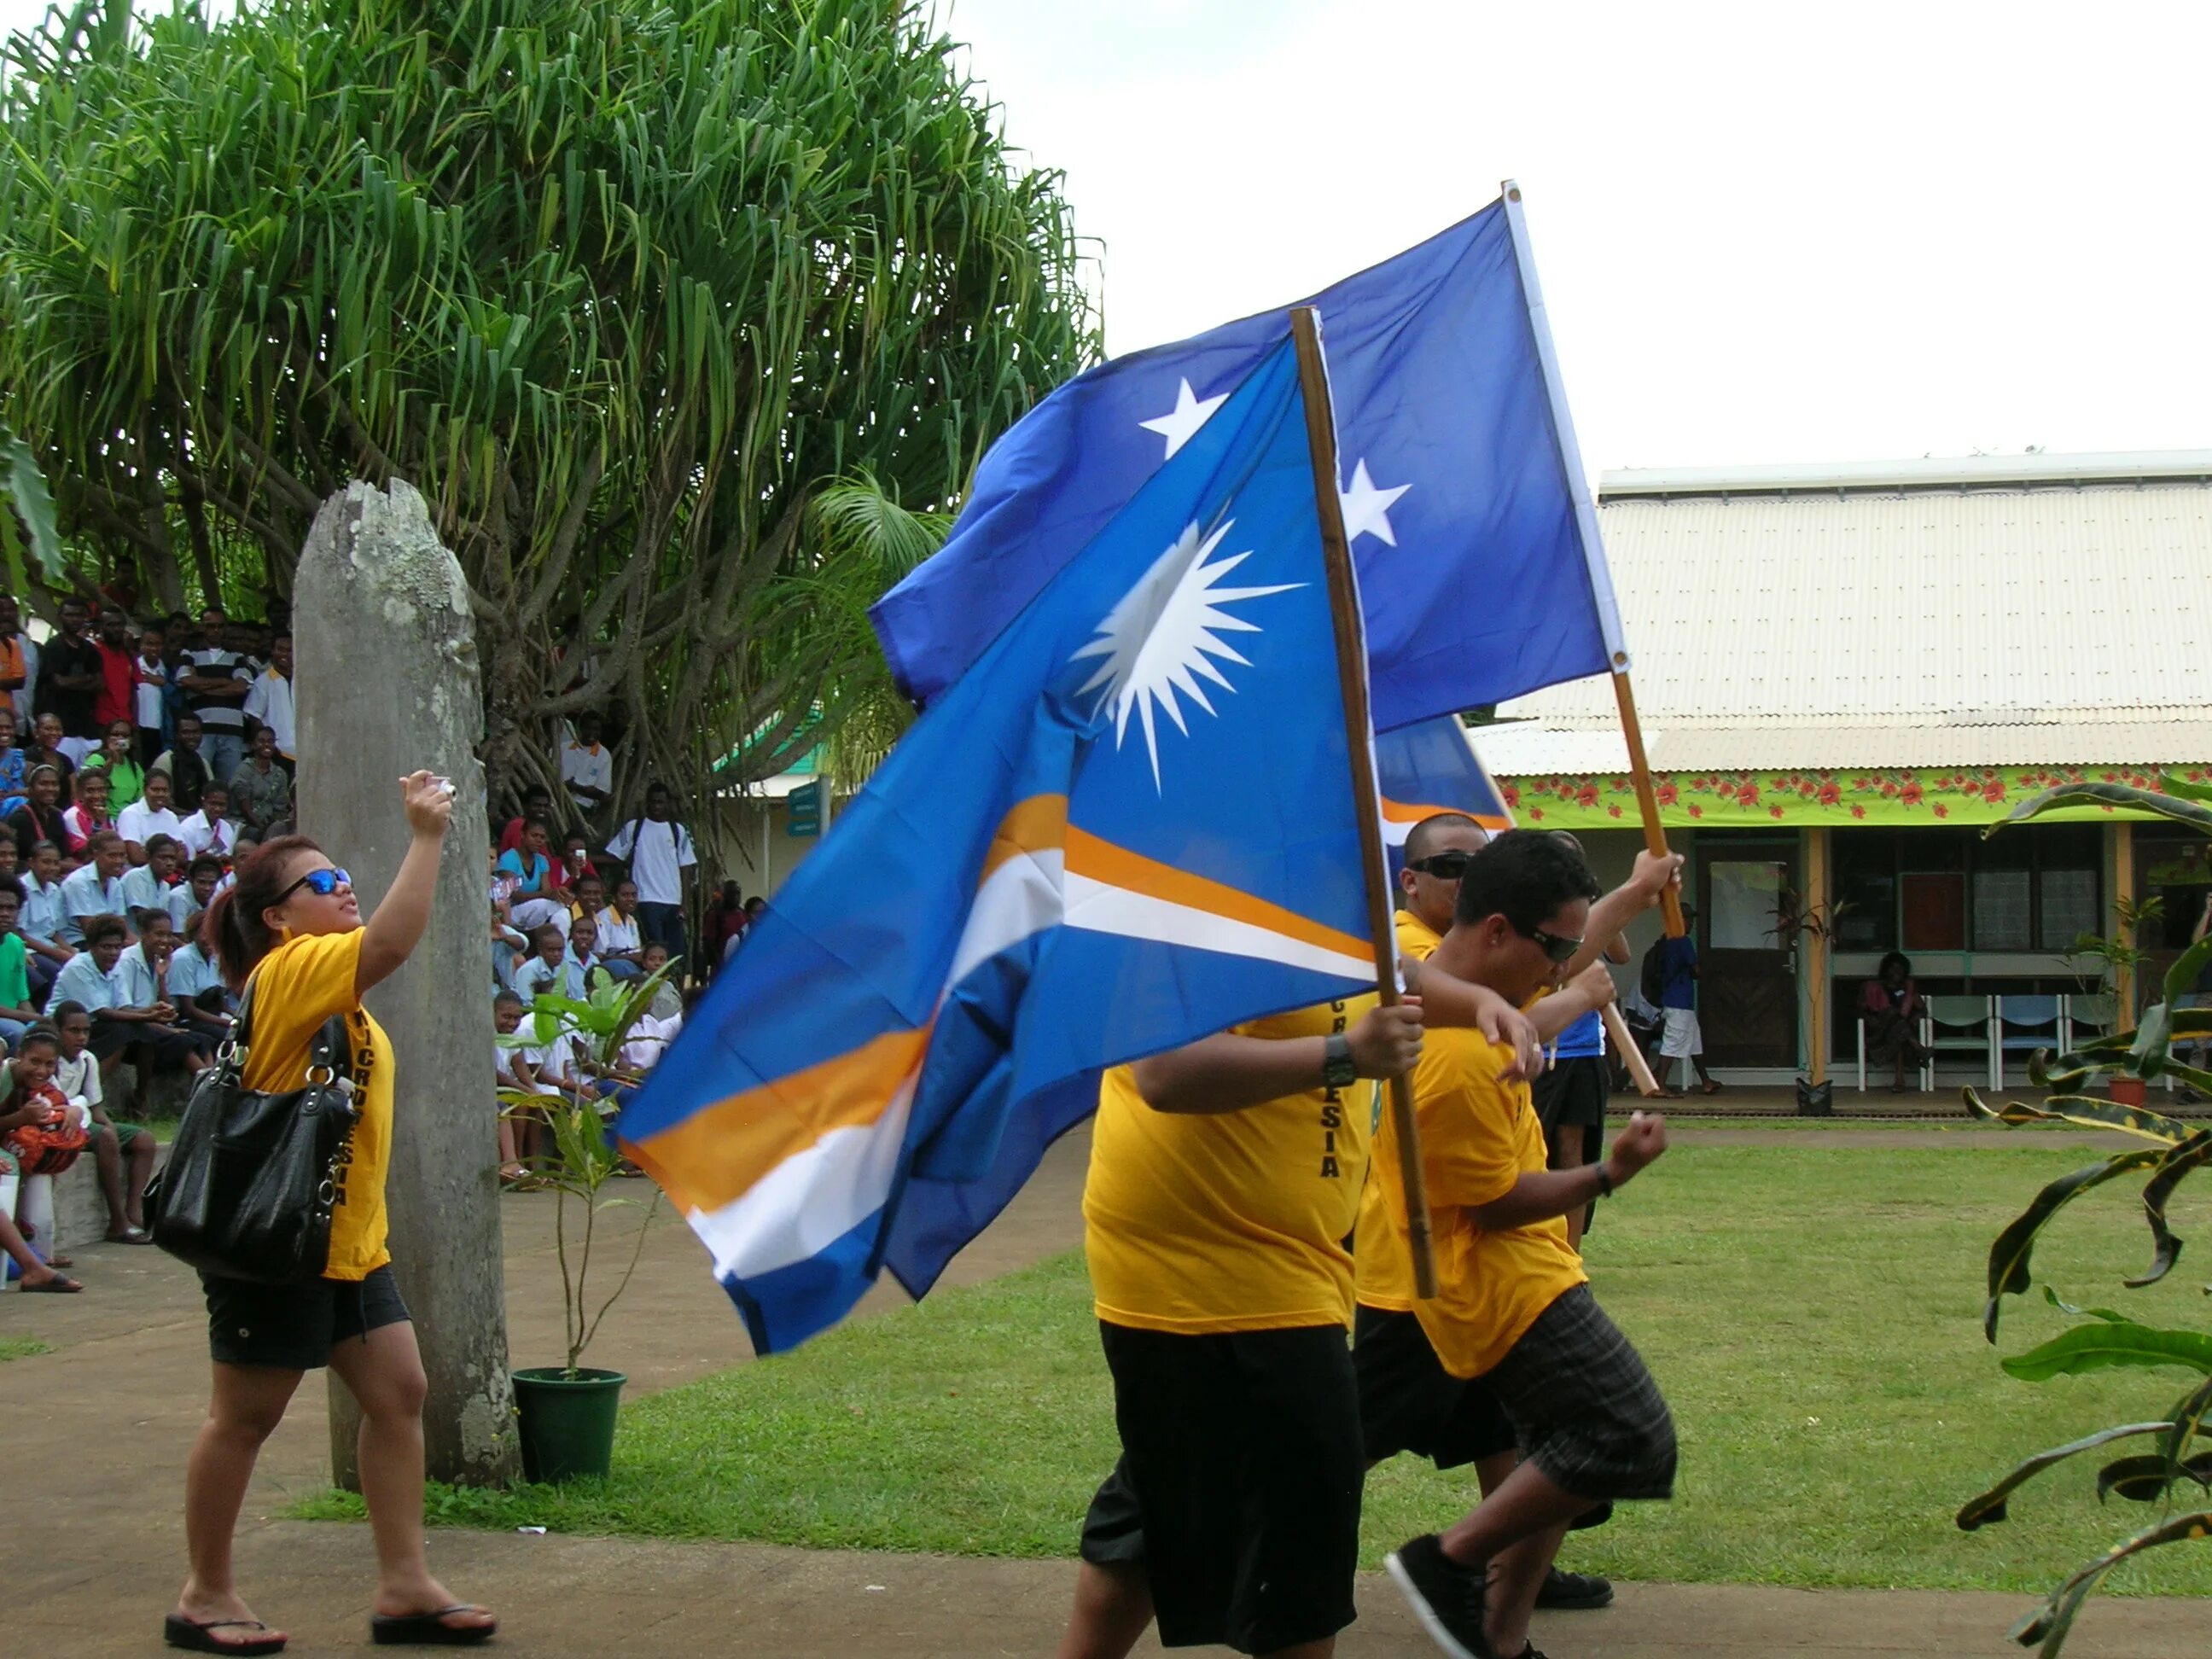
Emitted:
pixel 2040 1021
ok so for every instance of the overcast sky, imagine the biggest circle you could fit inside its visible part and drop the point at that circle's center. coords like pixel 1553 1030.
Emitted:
pixel 1767 233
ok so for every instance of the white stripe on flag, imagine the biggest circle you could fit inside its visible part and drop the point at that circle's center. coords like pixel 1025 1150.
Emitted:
pixel 1094 906
pixel 1019 898
pixel 811 1199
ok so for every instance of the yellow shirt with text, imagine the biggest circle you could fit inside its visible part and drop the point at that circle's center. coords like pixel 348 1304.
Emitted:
pixel 1232 1221
pixel 1479 1136
pixel 1382 1263
pixel 297 987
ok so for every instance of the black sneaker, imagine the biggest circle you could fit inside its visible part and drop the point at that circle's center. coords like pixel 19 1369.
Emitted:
pixel 1574 1591
pixel 1446 1598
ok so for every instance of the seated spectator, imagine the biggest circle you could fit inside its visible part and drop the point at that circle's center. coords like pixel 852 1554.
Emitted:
pixel 537 899
pixel 1889 1006
pixel 43 918
pixel 667 1001
pixel 145 1021
pixel 115 1147
pixel 537 803
pixel 186 765
pixel 150 695
pixel 576 862
pixel 89 815
pixel 193 895
pixel 587 767
pixel 261 790
pixel 13 767
pixel 11 864
pixel 127 778
pixel 591 897
pixel 44 1137
pixel 622 945
pixel 195 984
pixel 509 1071
pixel 47 749
pixel 147 817
pixel 17 1013
pixel 95 889
pixel 39 818
pixel 547 969
pixel 91 980
pixel 148 887
pixel 32 1272
pixel 207 830
pixel 587 972
pixel 724 921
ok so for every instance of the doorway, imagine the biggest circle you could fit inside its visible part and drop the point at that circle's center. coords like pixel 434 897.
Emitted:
pixel 1748 978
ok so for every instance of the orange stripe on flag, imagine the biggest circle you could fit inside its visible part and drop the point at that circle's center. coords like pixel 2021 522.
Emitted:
pixel 1116 866
pixel 1398 812
pixel 717 1154
pixel 1032 826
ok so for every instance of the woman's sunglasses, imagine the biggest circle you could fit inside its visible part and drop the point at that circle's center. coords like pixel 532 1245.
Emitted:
pixel 324 882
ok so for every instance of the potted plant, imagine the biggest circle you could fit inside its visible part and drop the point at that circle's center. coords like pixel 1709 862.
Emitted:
pixel 1795 918
pixel 567 1412
pixel 2117 959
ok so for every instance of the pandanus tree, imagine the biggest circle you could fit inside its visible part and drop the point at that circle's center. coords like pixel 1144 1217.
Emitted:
pixel 687 320
pixel 2175 1474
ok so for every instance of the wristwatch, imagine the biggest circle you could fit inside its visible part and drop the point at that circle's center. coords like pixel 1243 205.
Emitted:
pixel 1337 1065
pixel 1604 1182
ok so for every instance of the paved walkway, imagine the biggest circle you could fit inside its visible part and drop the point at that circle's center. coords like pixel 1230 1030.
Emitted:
pixel 99 1428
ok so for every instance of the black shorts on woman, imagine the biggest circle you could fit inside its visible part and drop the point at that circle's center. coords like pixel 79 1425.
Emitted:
pixel 295 1328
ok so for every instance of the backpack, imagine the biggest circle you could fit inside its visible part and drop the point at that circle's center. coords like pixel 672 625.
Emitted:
pixel 1653 983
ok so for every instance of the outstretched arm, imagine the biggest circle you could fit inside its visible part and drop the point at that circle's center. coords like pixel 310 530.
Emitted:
pixel 395 928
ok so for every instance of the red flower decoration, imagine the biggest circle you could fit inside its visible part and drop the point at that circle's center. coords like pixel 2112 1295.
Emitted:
pixel 1775 811
pixel 1748 795
pixel 1612 811
pixel 1889 789
pixel 1697 811
pixel 1942 810
pixel 1993 792
pixel 1511 792
pixel 1667 795
pixel 1536 812
pixel 1830 795
pixel 1910 794
pixel 1586 795
pixel 1859 811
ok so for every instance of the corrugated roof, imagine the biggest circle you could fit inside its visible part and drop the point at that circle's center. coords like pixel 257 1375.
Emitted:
pixel 2033 622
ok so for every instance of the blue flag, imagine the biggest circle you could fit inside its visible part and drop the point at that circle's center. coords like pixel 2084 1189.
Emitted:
pixel 1130 825
pixel 1478 581
pixel 1432 767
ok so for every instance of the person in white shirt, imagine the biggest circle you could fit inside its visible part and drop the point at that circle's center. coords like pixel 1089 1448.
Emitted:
pixel 150 695
pixel 149 886
pixel 661 858
pixel 587 766
pixel 124 1154
pixel 269 702
pixel 209 830
pixel 147 817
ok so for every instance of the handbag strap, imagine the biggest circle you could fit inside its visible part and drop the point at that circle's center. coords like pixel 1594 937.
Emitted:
pixel 332 1046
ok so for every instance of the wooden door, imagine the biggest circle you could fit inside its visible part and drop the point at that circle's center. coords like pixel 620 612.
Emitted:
pixel 1747 980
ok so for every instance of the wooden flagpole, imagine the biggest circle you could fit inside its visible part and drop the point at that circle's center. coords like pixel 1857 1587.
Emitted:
pixel 1647 797
pixel 1639 1069
pixel 1351 679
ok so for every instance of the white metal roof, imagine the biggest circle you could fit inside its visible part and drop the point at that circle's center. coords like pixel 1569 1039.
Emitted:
pixel 1899 617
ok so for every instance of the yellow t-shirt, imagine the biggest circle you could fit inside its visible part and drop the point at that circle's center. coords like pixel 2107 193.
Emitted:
pixel 1479 1136
pixel 1230 1221
pixel 1383 1264
pixel 296 988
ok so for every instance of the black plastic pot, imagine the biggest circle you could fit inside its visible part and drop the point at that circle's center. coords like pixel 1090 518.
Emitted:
pixel 568 1421
pixel 1816 1099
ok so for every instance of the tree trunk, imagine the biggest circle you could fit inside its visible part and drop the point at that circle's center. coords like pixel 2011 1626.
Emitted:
pixel 388 684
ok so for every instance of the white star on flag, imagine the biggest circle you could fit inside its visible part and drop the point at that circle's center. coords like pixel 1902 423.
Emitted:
pixel 1367 509
pixel 1189 414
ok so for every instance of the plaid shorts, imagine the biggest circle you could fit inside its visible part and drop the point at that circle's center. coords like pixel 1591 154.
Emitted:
pixel 1588 1413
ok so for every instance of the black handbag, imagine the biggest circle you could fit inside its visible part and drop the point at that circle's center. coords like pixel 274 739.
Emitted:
pixel 252 1178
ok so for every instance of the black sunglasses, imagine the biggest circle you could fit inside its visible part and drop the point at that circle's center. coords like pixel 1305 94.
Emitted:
pixel 321 883
pixel 1556 946
pixel 1444 866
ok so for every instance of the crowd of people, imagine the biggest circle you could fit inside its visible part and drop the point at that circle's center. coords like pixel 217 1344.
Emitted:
pixel 138 762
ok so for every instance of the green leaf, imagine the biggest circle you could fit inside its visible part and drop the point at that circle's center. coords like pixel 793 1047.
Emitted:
pixel 2146 1058
pixel 2196 814
pixel 1989 1507
pixel 2172 1170
pixel 2049 1625
pixel 2188 1416
pixel 2066 1307
pixel 2148 1478
pixel 35 504
pixel 2181 978
pixel 2010 1255
pixel 2083 1109
pixel 2099 1346
pixel 2174 784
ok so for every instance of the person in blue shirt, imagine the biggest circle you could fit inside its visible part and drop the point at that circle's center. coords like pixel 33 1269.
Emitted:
pixel 148 886
pixel 204 1006
pixel 547 967
pixel 1678 1004
pixel 40 922
pixel 537 899
pixel 1570 1094
pixel 96 889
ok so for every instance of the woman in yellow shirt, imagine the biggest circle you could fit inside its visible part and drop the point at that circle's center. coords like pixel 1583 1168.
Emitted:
pixel 292 928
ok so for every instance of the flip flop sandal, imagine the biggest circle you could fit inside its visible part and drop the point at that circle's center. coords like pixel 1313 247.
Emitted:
pixel 131 1235
pixel 191 1635
pixel 59 1285
pixel 61 1261
pixel 429 1629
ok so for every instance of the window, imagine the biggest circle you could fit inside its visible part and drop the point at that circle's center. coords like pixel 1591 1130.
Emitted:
pixel 2175 867
pixel 2032 888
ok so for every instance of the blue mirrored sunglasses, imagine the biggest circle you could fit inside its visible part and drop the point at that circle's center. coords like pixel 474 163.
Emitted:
pixel 321 883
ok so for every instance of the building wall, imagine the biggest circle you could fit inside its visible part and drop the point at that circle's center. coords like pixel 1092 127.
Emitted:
pixel 767 854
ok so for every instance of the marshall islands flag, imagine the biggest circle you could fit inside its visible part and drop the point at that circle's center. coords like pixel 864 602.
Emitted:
pixel 1432 767
pixel 1129 825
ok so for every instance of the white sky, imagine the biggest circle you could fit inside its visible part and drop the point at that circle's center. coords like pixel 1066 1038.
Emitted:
pixel 1766 232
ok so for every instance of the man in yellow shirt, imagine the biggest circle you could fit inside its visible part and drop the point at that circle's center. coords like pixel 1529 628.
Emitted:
pixel 1225 1178
pixel 1514 1307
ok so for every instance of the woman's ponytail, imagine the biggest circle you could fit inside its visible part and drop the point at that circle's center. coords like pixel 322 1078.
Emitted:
pixel 233 929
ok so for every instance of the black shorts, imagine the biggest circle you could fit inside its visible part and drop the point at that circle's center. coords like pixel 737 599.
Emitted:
pixel 1588 1414
pixel 1574 1092
pixel 1408 1402
pixel 1238 1487
pixel 165 1046
pixel 293 1328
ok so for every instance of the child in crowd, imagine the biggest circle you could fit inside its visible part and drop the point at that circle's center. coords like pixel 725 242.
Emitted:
pixel 43 1136
pixel 114 1146
pixel 17 1011
pixel 548 968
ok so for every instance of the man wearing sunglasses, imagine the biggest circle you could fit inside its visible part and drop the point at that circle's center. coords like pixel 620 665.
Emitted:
pixel 1514 1307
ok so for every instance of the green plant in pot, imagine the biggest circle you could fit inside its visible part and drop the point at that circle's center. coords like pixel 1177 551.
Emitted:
pixel 2174 1472
pixel 567 1411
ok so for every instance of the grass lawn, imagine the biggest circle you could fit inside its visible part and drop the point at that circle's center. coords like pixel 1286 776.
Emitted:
pixel 22 1348
pixel 1812 1313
